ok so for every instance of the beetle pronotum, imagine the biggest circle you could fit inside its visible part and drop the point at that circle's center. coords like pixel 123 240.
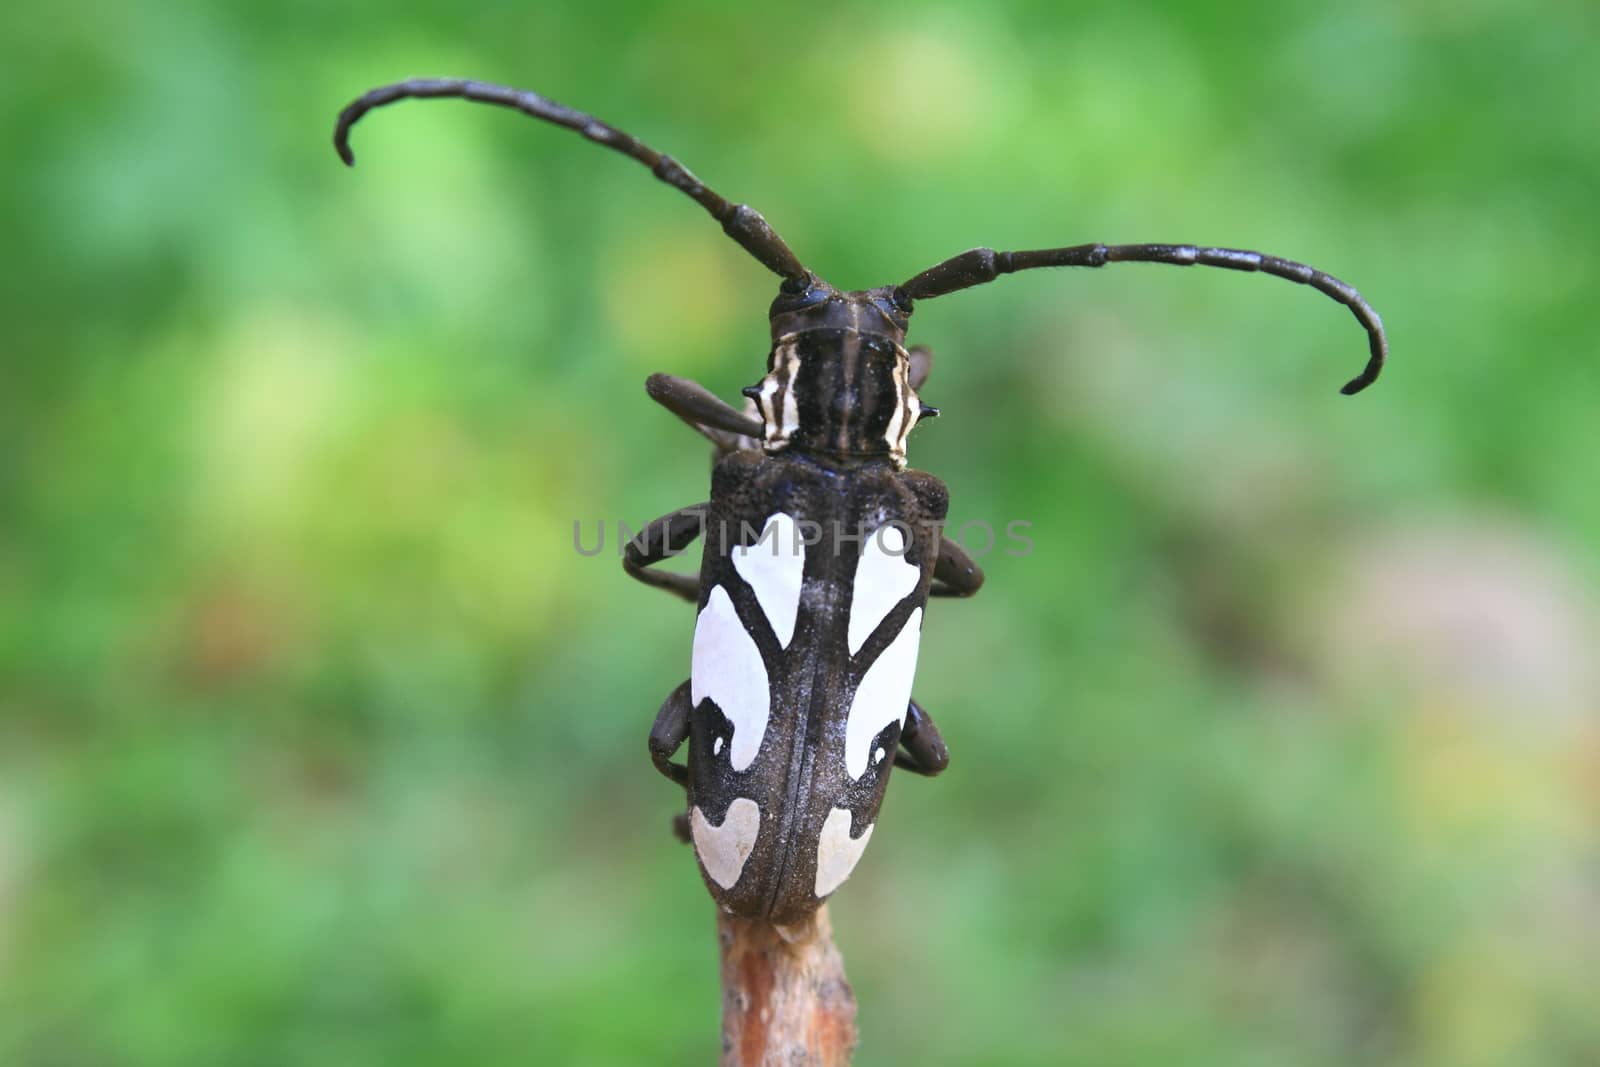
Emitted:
pixel 821 548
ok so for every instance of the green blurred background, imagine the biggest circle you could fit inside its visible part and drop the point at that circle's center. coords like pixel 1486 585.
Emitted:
pixel 319 744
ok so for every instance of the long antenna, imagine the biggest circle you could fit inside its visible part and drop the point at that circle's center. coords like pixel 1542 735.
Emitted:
pixel 982 265
pixel 744 224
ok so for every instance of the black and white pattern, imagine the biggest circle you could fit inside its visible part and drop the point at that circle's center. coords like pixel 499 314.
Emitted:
pixel 790 739
pixel 838 392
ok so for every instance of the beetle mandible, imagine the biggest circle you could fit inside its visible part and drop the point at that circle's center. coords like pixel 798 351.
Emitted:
pixel 821 547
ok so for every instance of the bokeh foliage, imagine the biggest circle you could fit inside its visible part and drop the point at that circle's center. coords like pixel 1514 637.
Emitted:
pixel 319 744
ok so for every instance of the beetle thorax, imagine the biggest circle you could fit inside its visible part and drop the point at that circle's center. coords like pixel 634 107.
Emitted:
pixel 838 382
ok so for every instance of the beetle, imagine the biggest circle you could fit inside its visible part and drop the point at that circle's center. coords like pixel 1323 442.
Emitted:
pixel 821 548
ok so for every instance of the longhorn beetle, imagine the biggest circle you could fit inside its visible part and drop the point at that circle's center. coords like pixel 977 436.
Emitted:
pixel 821 548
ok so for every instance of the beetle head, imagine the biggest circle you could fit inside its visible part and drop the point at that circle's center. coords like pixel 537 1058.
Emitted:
pixel 813 304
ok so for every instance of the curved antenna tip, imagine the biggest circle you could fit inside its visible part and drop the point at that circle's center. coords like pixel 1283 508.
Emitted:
pixel 1375 365
pixel 1368 375
pixel 341 140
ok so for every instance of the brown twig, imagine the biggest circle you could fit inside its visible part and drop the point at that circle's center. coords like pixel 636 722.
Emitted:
pixel 785 999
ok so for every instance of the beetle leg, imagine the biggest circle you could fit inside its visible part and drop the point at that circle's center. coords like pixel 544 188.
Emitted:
pixel 921 365
pixel 718 422
pixel 955 573
pixel 921 748
pixel 667 735
pixel 666 536
pixel 670 731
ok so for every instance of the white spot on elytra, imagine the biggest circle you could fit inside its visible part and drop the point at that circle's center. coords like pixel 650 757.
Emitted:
pixel 877 757
pixel 882 696
pixel 837 851
pixel 716 746
pixel 773 566
pixel 727 668
pixel 884 577
pixel 723 849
